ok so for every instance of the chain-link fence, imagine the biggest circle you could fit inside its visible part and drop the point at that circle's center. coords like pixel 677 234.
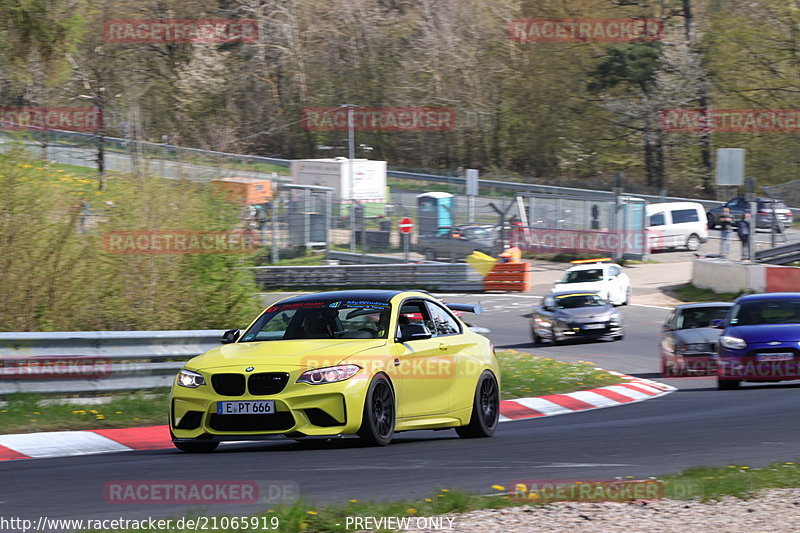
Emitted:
pixel 449 225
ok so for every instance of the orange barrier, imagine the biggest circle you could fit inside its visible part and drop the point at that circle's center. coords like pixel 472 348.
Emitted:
pixel 782 279
pixel 509 277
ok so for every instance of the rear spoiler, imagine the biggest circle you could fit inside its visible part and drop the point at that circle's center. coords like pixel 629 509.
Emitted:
pixel 466 308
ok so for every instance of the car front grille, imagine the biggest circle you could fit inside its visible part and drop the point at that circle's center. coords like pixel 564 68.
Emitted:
pixel 266 383
pixel 228 384
pixel 281 420
pixel 754 353
pixel 700 348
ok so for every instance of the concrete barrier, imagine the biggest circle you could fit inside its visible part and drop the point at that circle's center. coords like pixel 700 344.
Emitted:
pixel 721 275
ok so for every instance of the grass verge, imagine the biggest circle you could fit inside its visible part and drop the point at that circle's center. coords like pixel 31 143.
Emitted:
pixel 690 293
pixel 704 484
pixel 522 375
pixel 27 413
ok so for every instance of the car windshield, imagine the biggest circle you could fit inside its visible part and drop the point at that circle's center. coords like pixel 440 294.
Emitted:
pixel 700 317
pixel 574 301
pixel 339 319
pixel 750 313
pixel 584 276
pixel 477 233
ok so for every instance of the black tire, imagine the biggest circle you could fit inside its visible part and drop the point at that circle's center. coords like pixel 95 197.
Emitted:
pixel 485 409
pixel 665 370
pixel 728 384
pixel 627 297
pixel 553 336
pixel 670 371
pixel 377 424
pixel 693 242
pixel 535 338
pixel 196 447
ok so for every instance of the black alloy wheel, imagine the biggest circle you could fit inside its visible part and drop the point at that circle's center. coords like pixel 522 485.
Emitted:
pixel 377 425
pixel 485 409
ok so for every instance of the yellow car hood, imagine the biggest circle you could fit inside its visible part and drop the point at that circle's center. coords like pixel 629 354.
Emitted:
pixel 286 354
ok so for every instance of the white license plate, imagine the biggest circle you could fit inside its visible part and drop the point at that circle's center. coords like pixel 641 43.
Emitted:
pixel 775 356
pixel 259 407
pixel 594 326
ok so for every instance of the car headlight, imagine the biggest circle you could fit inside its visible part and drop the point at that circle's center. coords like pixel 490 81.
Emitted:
pixel 330 374
pixel 615 318
pixel 189 379
pixel 732 342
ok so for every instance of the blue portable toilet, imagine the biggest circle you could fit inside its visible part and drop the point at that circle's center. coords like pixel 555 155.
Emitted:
pixel 632 223
pixel 434 210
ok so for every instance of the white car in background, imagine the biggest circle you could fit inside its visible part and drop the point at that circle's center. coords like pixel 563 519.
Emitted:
pixel 601 275
pixel 675 224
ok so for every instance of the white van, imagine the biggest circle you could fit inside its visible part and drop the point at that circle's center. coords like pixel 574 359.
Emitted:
pixel 675 224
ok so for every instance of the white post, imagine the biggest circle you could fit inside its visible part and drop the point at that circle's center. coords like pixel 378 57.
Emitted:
pixel 351 155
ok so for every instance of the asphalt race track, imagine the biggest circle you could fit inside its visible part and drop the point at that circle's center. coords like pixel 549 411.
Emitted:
pixel 695 426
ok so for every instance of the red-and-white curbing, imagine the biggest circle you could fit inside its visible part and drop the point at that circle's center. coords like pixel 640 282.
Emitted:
pixel 631 391
pixel 70 443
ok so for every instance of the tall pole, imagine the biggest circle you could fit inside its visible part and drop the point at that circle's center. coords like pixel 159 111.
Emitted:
pixel 351 155
pixel 275 199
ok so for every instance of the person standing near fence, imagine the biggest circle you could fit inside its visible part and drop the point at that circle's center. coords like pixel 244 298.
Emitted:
pixel 725 224
pixel 744 235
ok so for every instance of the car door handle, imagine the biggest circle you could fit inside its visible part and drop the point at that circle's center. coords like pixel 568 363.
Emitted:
pixel 397 362
pixel 443 346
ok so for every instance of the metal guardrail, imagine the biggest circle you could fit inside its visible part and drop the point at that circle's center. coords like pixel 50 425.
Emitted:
pixel 117 146
pixel 346 258
pixel 429 276
pixel 779 255
pixel 69 139
pixel 102 361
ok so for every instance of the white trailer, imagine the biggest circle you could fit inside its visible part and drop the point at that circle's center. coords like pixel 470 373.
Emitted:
pixel 368 177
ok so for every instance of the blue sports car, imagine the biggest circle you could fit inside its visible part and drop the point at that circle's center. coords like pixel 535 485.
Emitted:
pixel 760 341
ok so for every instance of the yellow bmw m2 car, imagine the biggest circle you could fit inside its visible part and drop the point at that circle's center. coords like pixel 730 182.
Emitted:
pixel 369 363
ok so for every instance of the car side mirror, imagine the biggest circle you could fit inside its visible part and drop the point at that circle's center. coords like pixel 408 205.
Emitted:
pixel 557 281
pixel 668 327
pixel 414 332
pixel 548 307
pixel 717 323
pixel 230 336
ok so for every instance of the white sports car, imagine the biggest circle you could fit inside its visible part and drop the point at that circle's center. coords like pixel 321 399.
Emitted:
pixel 607 278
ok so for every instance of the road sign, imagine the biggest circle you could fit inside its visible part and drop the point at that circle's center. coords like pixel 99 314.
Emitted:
pixel 730 166
pixel 406 225
pixel 472 182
